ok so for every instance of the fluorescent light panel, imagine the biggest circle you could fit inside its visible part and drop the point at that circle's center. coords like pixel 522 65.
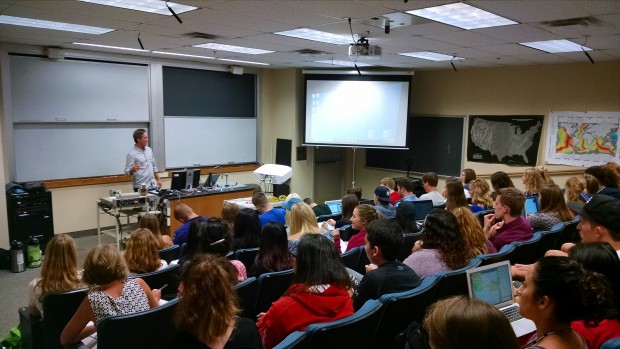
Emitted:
pixel 555 46
pixel 239 61
pixel 150 6
pixel 316 35
pixel 112 47
pixel 343 63
pixel 38 23
pixel 431 56
pixel 181 54
pixel 231 48
pixel 462 15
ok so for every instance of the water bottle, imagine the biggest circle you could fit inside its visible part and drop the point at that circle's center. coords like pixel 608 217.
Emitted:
pixel 17 257
pixel 143 190
pixel 34 253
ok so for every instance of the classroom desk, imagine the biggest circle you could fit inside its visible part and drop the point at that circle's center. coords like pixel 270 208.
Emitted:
pixel 207 204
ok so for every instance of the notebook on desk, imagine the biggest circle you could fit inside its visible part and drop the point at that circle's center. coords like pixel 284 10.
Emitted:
pixel 493 284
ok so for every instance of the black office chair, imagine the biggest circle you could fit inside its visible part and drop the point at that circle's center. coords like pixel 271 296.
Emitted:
pixel 358 328
pixel 167 276
pixel 151 328
pixel 454 282
pixel 403 308
pixel 58 309
pixel 247 291
pixel 170 254
pixel 271 286
pixel 246 256
pixel 409 241
pixel 352 257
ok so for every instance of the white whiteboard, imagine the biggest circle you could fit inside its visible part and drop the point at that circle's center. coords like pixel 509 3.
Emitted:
pixel 202 141
pixel 45 152
pixel 70 90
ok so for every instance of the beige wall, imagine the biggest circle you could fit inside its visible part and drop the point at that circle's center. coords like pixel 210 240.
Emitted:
pixel 525 90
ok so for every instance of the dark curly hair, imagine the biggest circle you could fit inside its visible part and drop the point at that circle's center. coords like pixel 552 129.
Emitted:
pixel 441 231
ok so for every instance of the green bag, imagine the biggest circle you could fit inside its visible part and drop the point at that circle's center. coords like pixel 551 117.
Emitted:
pixel 13 341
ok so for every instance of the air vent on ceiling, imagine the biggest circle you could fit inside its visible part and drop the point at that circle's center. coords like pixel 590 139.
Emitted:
pixel 584 21
pixel 198 35
pixel 309 51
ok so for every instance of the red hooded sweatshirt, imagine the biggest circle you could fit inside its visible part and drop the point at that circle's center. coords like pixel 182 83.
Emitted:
pixel 300 308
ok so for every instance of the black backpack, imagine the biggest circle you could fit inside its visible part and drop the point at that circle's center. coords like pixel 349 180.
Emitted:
pixel 413 337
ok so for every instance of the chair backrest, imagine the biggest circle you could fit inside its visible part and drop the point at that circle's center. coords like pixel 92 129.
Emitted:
pixel 499 256
pixel 145 329
pixel 166 276
pixel 357 328
pixel 422 208
pixel 402 308
pixel 569 233
pixel 352 257
pixel 613 343
pixel 58 309
pixel 548 240
pixel 524 250
pixel 170 254
pixel 271 286
pixel 481 214
pixel 246 256
pixel 295 340
pixel 454 282
pixel 409 241
pixel 247 291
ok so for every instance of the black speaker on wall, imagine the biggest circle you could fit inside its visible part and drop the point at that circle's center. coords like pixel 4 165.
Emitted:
pixel 284 148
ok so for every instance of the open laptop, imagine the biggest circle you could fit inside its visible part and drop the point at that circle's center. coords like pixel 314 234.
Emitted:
pixel 335 206
pixel 531 205
pixel 493 284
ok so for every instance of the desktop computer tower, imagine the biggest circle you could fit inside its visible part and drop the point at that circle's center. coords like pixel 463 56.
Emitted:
pixel 30 214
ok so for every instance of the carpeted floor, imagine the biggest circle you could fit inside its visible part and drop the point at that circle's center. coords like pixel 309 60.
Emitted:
pixel 13 286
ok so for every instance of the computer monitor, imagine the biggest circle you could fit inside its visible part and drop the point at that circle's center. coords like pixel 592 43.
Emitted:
pixel 179 179
pixel 334 205
pixel 193 179
pixel 211 180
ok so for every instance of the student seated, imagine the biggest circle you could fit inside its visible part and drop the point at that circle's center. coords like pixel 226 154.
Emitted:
pixel 151 222
pixel 383 241
pixel 506 224
pixel 467 175
pixel 142 254
pixel 267 213
pixel 553 209
pixel 382 202
pixel 302 221
pixel 362 215
pixel 111 293
pixel 480 193
pixel 429 182
pixel 246 231
pixel 186 216
pixel 273 254
pixel 391 185
pixel 319 209
pixel 405 189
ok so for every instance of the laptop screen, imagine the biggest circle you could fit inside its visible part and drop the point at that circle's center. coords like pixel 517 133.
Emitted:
pixel 335 206
pixel 491 283
pixel 531 205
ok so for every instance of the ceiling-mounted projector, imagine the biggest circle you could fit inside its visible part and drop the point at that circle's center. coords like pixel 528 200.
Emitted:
pixel 362 50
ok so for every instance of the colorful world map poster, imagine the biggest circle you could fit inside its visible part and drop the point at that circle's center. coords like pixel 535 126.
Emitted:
pixel 582 138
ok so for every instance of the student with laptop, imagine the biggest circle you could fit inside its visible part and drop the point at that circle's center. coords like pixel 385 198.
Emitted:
pixel 429 182
pixel 506 224
pixel 558 291
pixel 465 323
pixel 383 241
pixel 553 209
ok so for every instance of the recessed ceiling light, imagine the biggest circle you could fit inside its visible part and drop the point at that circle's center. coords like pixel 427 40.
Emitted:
pixel 554 46
pixel 343 63
pixel 316 35
pixel 38 23
pixel 462 15
pixel 181 54
pixel 112 47
pixel 231 48
pixel 150 6
pixel 239 61
pixel 431 56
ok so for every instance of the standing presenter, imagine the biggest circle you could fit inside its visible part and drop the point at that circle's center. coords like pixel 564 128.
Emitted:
pixel 141 164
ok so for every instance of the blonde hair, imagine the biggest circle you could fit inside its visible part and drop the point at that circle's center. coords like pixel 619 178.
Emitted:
pixel 59 272
pixel 142 255
pixel 151 223
pixel 209 305
pixel 533 180
pixel 480 192
pixel 103 265
pixel 388 182
pixel 367 213
pixel 575 185
pixel 475 240
pixel 301 219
